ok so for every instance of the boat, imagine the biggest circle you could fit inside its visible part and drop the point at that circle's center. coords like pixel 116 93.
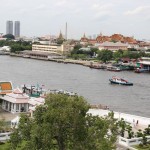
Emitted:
pixel 140 70
pixel 112 68
pixel 96 67
pixel 62 92
pixel 33 90
pixel 116 80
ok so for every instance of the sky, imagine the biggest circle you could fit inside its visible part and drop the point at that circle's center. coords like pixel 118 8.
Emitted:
pixel 48 17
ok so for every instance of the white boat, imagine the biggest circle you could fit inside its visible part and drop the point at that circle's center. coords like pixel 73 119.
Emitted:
pixel 112 68
pixel 116 80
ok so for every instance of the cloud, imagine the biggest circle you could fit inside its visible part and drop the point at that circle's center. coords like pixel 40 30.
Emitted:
pixel 40 7
pixel 61 3
pixel 102 7
pixel 102 11
pixel 138 10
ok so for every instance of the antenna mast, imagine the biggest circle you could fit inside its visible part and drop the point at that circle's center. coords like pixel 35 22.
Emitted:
pixel 66 30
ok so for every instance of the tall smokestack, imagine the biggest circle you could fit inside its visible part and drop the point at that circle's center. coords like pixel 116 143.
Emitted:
pixel 66 30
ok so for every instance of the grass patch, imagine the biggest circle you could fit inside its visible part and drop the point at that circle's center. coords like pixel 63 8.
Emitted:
pixel 145 147
pixel 4 146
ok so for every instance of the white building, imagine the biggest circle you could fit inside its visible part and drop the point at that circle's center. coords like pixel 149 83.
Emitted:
pixel 5 48
pixel 113 46
pixel 15 102
pixel 48 48
pixel 34 102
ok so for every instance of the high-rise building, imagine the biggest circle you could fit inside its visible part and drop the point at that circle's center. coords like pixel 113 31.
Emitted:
pixel 9 27
pixel 17 29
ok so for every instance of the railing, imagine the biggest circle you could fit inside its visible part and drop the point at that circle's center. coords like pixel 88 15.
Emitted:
pixel 130 142
pixel 5 136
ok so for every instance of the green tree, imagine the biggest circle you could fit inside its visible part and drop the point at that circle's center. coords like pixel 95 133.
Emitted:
pixel 77 47
pixel 130 132
pixel 139 133
pixel 105 55
pixel 118 55
pixel 9 36
pixel 63 124
pixel 60 41
pixel 122 127
pixel 2 124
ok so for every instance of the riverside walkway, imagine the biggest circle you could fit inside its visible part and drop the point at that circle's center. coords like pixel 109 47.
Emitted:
pixel 143 122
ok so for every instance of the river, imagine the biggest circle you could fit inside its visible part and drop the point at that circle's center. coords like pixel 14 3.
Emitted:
pixel 91 83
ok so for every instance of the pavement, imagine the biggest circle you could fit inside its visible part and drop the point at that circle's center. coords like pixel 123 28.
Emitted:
pixel 6 115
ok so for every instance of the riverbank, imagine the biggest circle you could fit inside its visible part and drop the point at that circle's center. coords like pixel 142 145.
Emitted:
pixel 88 63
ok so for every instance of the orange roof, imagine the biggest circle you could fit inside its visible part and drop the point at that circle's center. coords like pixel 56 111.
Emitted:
pixel 5 87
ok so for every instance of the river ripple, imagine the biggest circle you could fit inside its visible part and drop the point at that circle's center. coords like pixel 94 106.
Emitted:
pixel 91 83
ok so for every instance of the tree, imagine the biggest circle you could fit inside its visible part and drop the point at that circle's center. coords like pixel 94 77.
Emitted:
pixel 9 36
pixel 2 124
pixel 117 55
pixel 77 47
pixel 130 132
pixel 105 55
pixel 63 124
pixel 122 126
pixel 60 41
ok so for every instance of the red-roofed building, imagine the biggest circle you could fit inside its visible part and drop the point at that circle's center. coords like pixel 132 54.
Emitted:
pixel 84 40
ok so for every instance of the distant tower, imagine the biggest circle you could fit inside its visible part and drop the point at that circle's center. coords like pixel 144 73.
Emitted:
pixel 9 27
pixel 60 36
pixel 17 29
pixel 66 30
pixel 84 35
pixel 101 34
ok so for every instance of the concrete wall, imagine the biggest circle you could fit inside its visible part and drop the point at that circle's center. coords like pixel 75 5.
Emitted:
pixel 130 142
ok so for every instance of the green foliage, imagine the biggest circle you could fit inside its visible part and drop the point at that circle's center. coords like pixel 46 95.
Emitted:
pixel 63 124
pixel 105 55
pixel 17 45
pixel 60 41
pixel 130 132
pixel 117 55
pixel 77 47
pixel 9 36
pixel 132 49
pixel 15 139
pixel 78 53
pixel 139 133
pixel 144 140
pixel 2 124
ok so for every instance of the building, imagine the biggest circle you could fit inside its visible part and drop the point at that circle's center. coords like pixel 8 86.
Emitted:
pixel 144 64
pixel 48 48
pixel 113 38
pixel 84 40
pixel 5 48
pixel 112 46
pixel 5 87
pixel 15 102
pixel 9 27
pixel 17 29
pixel 34 102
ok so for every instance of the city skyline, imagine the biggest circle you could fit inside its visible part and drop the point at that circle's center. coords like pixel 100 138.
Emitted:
pixel 13 27
pixel 130 18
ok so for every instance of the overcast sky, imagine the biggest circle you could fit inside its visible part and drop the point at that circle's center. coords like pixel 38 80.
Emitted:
pixel 43 17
